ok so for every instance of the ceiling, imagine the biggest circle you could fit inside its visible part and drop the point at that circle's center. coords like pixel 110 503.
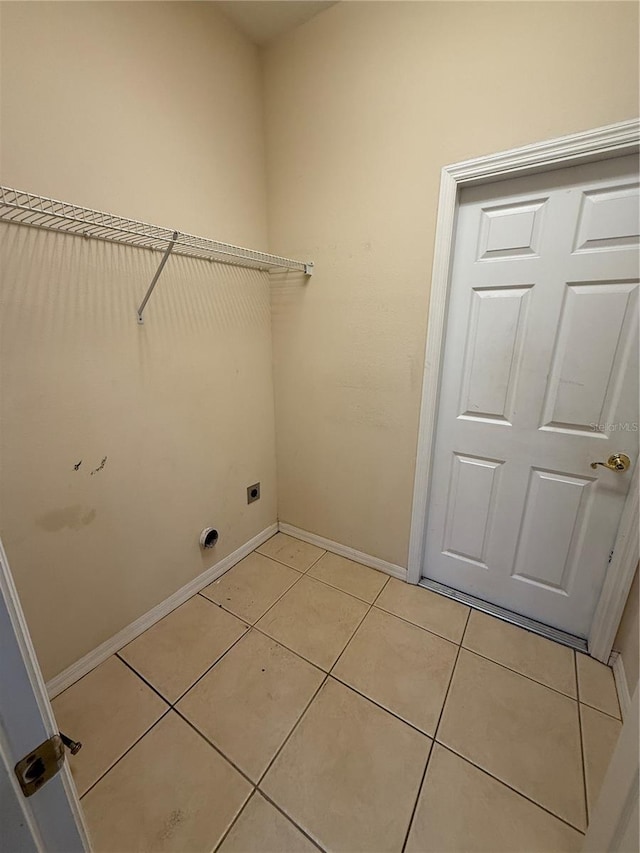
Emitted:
pixel 262 20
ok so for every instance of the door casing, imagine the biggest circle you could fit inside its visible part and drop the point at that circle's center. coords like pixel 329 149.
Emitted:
pixel 52 817
pixel 601 143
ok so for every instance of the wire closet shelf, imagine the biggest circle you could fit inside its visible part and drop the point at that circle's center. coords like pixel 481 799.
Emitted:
pixel 24 208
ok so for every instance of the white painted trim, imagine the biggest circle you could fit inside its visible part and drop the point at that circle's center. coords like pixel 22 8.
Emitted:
pixel 622 685
pixel 599 143
pixel 344 551
pixel 91 660
pixel 445 228
pixel 40 812
pixel 617 583
pixel 613 823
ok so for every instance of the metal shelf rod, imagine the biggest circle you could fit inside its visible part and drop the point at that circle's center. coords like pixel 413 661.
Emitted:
pixel 164 260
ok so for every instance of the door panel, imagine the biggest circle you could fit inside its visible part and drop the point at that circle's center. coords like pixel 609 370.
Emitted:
pixel 511 230
pixel 608 218
pixel 595 333
pixel 540 378
pixel 494 345
pixel 470 507
pixel 556 510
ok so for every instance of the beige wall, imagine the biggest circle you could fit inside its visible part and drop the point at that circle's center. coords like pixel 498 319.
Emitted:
pixel 152 111
pixel 364 105
pixel 627 640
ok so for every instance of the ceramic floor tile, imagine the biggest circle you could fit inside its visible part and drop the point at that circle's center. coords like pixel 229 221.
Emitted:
pixel 463 810
pixel 261 828
pixel 171 792
pixel 349 774
pixel 527 653
pixel 251 587
pixel 400 666
pixel 314 620
pixel 292 552
pixel 596 685
pixel 520 731
pixel 107 711
pixel 354 578
pixel 599 735
pixel 249 702
pixel 425 608
pixel 176 651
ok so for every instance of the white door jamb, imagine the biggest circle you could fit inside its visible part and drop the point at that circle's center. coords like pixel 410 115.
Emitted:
pixel 597 144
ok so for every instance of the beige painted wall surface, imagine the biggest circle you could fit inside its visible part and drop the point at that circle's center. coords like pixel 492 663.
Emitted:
pixel 364 105
pixel 627 640
pixel 121 107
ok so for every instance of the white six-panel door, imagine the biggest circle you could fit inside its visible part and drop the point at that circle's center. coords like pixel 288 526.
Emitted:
pixel 540 378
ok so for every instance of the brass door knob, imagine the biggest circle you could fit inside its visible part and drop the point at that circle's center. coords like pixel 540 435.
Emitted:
pixel 616 462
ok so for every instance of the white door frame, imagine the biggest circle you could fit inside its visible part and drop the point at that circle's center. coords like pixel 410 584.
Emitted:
pixel 613 824
pixel 52 817
pixel 613 140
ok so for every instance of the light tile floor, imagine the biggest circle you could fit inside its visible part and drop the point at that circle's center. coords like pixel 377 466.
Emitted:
pixel 304 701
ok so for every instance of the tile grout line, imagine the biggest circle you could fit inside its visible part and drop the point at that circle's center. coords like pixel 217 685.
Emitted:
pixel 378 705
pixel 357 628
pixel 236 819
pixel 510 787
pixel 181 696
pixel 301 575
pixel 293 728
pixel 289 649
pixel 142 678
pixel 276 560
pixel 433 739
pixel 128 750
pixel 305 710
pixel 173 707
pixel 415 624
pixel 352 594
pixel 600 711
pixel 617 717
pixel 211 666
pixel 337 678
pixel 483 769
pixel 253 624
pixel 294 651
pixel 215 747
pixel 299 654
pixel 582 750
pixel 522 674
pixel 327 674
pixel 309 577
pixel 287 817
pixel 315 563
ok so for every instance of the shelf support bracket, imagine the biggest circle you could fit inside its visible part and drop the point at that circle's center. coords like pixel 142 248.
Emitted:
pixel 164 260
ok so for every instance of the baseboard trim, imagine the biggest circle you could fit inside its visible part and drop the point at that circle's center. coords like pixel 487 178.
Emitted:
pixel 622 685
pixel 344 551
pixel 91 660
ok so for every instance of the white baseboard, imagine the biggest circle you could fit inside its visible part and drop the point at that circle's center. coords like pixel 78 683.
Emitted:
pixel 622 685
pixel 91 660
pixel 344 551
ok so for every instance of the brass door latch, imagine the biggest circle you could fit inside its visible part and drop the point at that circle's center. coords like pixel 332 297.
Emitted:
pixel 616 462
pixel 42 763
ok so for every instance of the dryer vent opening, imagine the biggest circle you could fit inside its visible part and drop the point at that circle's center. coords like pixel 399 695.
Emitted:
pixel 208 537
